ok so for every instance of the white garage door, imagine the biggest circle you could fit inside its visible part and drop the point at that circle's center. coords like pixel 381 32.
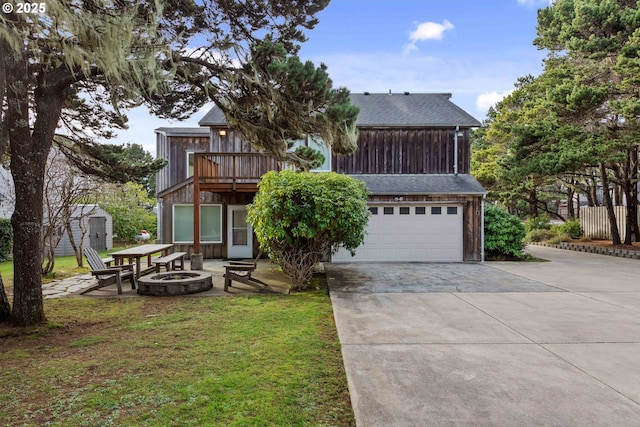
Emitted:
pixel 410 233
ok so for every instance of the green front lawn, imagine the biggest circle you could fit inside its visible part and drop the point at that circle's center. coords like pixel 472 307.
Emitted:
pixel 65 266
pixel 191 361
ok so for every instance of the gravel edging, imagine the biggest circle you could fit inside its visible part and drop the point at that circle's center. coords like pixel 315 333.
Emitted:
pixel 622 253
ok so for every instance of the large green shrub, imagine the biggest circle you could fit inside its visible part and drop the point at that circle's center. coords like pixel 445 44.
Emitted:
pixel 131 209
pixel 537 235
pixel 6 239
pixel 503 233
pixel 540 222
pixel 559 238
pixel 299 217
pixel 571 227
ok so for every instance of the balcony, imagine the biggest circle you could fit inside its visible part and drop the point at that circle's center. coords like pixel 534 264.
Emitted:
pixel 227 172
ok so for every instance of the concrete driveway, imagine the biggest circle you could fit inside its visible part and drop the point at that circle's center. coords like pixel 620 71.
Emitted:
pixel 496 344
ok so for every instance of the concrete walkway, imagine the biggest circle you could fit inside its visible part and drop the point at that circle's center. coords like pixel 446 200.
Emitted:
pixel 496 344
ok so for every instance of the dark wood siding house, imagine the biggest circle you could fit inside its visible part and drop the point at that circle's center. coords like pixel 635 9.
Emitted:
pixel 413 155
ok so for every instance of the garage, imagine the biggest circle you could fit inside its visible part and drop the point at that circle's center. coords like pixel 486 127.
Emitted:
pixel 411 232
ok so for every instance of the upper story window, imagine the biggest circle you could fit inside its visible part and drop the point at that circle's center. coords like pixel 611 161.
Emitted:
pixel 317 144
pixel 190 162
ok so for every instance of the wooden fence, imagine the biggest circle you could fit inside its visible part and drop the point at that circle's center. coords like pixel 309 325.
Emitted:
pixel 595 221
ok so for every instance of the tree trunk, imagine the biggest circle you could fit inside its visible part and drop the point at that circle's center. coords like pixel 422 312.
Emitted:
pixel 76 250
pixel 27 216
pixel 615 233
pixel 571 211
pixel 634 213
pixel 5 308
pixel 50 263
pixel 627 183
pixel 591 201
pixel 593 192
pixel 29 151
pixel 533 203
pixel 633 173
pixel 617 195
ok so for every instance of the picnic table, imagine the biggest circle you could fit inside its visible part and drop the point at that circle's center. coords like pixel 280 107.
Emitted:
pixel 139 252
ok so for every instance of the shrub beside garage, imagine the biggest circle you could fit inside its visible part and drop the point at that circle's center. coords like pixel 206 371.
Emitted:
pixel 503 234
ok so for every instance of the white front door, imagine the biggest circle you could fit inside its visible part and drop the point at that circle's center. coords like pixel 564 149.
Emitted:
pixel 239 233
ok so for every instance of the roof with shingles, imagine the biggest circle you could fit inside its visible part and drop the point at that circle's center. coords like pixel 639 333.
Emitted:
pixel 410 110
pixel 386 184
pixel 183 131
pixel 214 117
pixel 392 110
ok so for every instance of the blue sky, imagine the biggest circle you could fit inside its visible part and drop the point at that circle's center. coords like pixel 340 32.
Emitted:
pixel 473 49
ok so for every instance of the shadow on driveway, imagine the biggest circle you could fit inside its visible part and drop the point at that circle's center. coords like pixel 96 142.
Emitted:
pixel 426 277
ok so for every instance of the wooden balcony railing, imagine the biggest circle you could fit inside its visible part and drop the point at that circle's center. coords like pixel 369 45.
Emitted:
pixel 226 172
pixel 233 171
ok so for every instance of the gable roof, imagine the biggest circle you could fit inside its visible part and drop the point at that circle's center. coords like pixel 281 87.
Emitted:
pixel 214 117
pixel 410 110
pixel 385 184
pixel 391 110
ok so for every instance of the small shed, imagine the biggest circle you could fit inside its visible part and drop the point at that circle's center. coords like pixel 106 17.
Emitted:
pixel 98 230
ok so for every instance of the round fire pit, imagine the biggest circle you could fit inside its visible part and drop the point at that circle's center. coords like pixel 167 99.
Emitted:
pixel 174 283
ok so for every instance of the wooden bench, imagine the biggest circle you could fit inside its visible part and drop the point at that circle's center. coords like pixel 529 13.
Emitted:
pixel 169 261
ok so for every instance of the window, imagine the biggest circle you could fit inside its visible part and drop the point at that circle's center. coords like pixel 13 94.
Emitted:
pixel 210 224
pixel 404 211
pixel 436 210
pixel 190 158
pixel 421 210
pixel 452 210
pixel 388 211
pixel 317 144
pixel 374 211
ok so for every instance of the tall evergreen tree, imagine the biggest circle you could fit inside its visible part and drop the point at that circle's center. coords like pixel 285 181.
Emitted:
pixel 581 114
pixel 106 50
pixel 597 40
pixel 65 67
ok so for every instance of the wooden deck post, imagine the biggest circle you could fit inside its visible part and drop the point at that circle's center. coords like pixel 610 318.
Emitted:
pixel 196 203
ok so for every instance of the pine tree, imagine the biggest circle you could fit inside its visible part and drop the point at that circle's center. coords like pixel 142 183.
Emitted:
pixel 80 64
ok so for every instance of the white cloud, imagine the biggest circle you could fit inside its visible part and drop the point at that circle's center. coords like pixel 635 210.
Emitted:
pixel 427 31
pixel 430 31
pixel 486 100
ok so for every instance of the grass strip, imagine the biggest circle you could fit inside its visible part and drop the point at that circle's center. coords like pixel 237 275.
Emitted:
pixel 190 361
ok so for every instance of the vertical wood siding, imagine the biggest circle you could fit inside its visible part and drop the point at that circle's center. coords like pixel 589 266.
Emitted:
pixel 184 195
pixel 230 143
pixel 406 151
pixel 175 149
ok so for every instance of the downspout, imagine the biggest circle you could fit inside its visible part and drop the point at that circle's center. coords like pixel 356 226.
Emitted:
pixel 482 228
pixel 455 151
